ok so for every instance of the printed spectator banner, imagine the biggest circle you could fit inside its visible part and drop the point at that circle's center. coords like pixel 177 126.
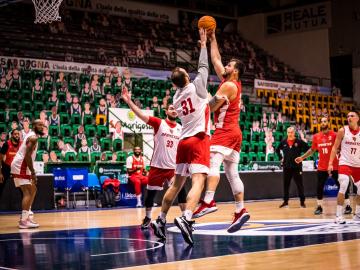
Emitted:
pixel 68 67
pixel 129 121
pixel 299 19
pixel 126 8
pixel 305 88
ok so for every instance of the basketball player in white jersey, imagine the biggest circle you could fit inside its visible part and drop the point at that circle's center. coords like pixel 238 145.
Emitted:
pixel 162 165
pixel 348 141
pixel 193 153
pixel 23 173
pixel 226 141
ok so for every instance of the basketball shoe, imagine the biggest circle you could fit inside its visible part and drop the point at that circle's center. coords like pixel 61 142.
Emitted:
pixel 158 227
pixel 205 208
pixel 340 220
pixel 27 224
pixel 186 228
pixel 318 210
pixel 239 220
pixel 146 223
pixel 348 210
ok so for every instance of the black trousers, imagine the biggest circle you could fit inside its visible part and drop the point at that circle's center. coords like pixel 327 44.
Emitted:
pixel 322 177
pixel 5 170
pixel 288 174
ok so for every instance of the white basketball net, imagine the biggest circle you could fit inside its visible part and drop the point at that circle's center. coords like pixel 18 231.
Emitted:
pixel 47 11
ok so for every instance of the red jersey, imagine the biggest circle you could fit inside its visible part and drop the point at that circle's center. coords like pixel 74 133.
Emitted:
pixel 227 116
pixel 132 162
pixel 323 143
pixel 11 152
pixel 226 119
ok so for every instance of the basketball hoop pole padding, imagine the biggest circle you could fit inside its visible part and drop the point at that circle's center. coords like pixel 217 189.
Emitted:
pixel 47 11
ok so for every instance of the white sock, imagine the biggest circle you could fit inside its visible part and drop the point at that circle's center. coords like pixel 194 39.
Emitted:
pixel 357 210
pixel 24 215
pixel 339 210
pixel 138 197
pixel 163 216
pixel 209 196
pixel 148 213
pixel 31 212
pixel 188 214
pixel 347 202
pixel 239 206
pixel 320 202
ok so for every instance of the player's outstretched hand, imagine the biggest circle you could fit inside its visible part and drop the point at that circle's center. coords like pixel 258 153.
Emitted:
pixel 203 37
pixel 125 95
pixel 298 160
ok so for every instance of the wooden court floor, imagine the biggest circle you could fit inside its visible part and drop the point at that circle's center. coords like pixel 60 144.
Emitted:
pixel 332 255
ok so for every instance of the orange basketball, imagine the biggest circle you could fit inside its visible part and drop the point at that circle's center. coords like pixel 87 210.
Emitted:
pixel 207 22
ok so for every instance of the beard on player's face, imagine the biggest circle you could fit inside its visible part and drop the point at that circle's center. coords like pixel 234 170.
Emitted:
pixel 324 127
pixel 171 118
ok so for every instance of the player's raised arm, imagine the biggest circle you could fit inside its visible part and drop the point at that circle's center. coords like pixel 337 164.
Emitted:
pixel 127 99
pixel 334 150
pixel 216 57
pixel 201 78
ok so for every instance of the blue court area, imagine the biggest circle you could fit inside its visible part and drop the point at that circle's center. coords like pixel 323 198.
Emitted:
pixel 105 248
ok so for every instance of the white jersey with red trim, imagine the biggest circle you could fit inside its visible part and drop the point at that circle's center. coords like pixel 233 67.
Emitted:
pixel 193 111
pixel 166 141
pixel 19 166
pixel 350 149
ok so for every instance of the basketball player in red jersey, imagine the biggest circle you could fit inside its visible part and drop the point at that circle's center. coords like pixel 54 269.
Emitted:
pixel 226 140
pixel 348 140
pixel 323 143
pixel 193 152
pixel 162 165
pixel 7 154
pixel 136 169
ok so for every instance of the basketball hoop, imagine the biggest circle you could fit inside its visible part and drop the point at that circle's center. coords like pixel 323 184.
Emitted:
pixel 47 11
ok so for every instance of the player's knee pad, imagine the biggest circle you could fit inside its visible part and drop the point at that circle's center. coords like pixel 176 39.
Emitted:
pixel 215 162
pixel 344 182
pixel 232 174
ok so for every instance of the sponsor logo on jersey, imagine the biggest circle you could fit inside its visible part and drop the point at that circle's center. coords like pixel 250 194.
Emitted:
pixel 278 227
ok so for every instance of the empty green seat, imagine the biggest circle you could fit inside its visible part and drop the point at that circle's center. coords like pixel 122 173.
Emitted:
pixel 83 157
pixel 65 130
pixel 121 156
pixel 117 145
pixel 105 144
pixel 70 156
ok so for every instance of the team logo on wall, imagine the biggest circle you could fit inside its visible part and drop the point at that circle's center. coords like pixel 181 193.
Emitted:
pixel 277 227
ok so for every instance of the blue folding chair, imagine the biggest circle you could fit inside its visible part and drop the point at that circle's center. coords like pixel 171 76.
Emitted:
pixel 93 184
pixel 77 181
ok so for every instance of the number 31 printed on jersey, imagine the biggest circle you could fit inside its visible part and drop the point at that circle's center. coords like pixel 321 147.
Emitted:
pixel 187 106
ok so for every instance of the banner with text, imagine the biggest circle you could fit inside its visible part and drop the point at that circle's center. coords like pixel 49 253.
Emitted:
pixel 68 67
pixel 126 8
pixel 305 88
pixel 129 121
pixel 299 19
